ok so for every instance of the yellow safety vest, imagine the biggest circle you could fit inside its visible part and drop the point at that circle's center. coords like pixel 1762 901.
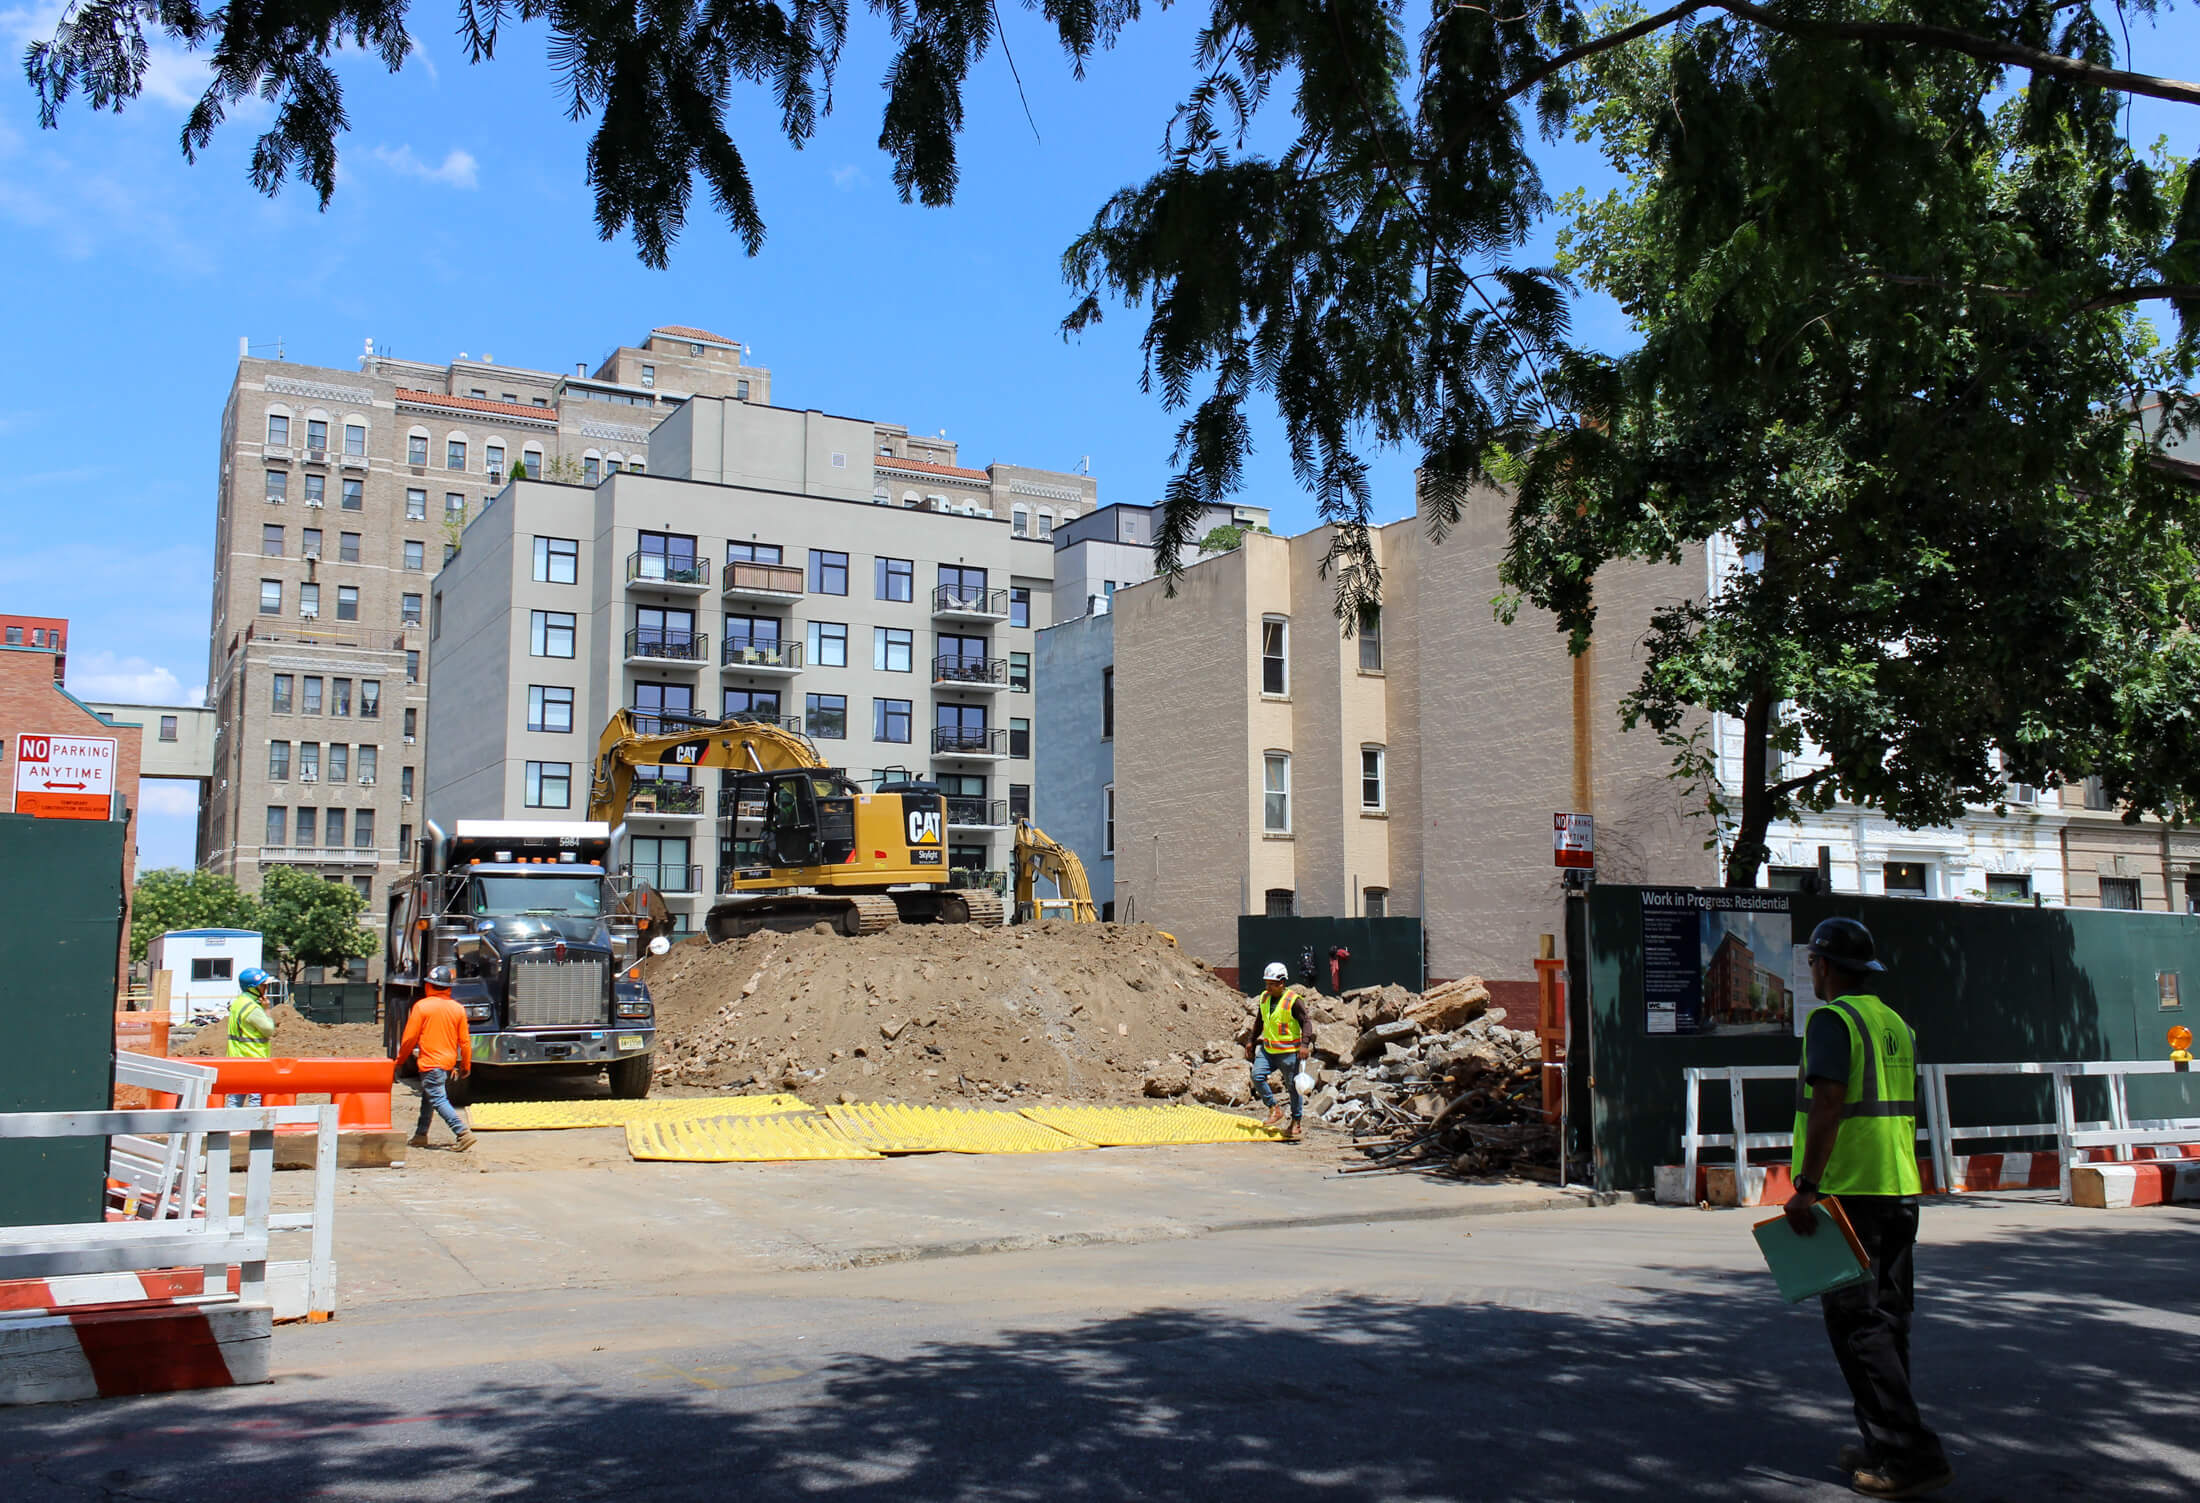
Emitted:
pixel 1279 1022
pixel 246 1041
pixel 1876 1153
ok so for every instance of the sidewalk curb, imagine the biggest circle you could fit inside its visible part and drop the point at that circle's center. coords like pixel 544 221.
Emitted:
pixel 1555 1200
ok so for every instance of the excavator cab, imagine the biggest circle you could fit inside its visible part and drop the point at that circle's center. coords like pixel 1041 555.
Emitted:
pixel 796 818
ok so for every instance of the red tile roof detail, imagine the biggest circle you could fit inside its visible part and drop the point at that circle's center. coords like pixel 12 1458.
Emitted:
pixel 476 404
pixel 681 331
pixel 925 467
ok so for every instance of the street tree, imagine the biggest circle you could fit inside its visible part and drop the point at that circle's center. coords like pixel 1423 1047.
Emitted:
pixel 169 898
pixel 308 921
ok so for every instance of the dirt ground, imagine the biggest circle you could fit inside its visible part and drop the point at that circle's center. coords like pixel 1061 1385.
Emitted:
pixel 295 1038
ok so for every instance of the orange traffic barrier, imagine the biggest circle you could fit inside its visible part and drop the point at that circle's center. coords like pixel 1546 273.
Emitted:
pixel 359 1087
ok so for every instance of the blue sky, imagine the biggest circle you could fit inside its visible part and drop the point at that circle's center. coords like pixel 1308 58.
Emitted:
pixel 462 222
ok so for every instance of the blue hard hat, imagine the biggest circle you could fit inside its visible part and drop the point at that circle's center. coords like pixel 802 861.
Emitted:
pixel 254 979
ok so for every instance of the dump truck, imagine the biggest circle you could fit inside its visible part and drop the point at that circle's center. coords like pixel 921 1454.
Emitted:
pixel 546 942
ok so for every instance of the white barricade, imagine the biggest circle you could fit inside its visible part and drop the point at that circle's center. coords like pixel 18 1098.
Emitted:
pixel 2119 1132
pixel 159 1180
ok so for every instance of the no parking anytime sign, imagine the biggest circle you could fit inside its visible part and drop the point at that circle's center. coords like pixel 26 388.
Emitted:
pixel 65 777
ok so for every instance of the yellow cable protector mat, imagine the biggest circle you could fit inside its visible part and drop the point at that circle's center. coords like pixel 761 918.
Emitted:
pixel 516 1116
pixel 1125 1126
pixel 733 1140
pixel 888 1128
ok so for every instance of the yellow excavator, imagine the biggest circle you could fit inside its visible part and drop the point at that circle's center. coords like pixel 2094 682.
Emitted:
pixel 1039 856
pixel 800 842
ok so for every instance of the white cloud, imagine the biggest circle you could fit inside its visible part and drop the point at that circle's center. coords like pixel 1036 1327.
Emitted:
pixel 848 176
pixel 132 680
pixel 457 170
pixel 171 798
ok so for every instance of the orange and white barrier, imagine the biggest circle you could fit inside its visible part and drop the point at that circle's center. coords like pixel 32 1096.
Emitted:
pixel 2115 1187
pixel 107 1353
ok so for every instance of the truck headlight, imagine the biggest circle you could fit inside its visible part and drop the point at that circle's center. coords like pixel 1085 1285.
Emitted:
pixel 635 1010
pixel 478 1012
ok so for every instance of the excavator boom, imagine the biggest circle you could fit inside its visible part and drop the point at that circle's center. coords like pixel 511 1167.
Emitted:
pixel 1038 855
pixel 745 745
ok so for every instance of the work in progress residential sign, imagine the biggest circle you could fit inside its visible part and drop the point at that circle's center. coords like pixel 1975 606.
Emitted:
pixel 65 777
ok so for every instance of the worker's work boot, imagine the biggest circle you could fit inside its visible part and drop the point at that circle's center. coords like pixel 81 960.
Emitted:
pixel 1852 1459
pixel 418 1140
pixel 1275 1116
pixel 1295 1131
pixel 465 1141
pixel 1885 1480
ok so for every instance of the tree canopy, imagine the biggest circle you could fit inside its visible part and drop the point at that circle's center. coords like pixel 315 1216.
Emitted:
pixel 171 898
pixel 308 920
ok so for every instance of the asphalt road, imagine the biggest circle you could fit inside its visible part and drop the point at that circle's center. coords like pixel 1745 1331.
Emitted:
pixel 1625 1353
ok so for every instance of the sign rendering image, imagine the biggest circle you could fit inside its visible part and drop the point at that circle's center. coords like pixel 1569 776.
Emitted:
pixel 65 777
pixel 1718 962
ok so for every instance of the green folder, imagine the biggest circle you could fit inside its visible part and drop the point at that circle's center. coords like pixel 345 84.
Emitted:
pixel 1829 1259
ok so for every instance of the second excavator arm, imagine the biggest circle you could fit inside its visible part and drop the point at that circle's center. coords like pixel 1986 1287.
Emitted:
pixel 1038 855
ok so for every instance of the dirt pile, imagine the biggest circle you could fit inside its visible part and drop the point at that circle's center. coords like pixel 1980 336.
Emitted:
pixel 295 1038
pixel 923 1012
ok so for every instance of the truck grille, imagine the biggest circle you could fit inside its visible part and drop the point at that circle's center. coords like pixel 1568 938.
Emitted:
pixel 546 992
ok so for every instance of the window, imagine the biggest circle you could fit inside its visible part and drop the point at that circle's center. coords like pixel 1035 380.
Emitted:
pixel 1019 672
pixel 412 663
pixel 1371 778
pixel 454 506
pixel 762 703
pixel 557 560
pixel 1371 639
pixel 278 763
pixel 1906 879
pixel 309 542
pixel 1019 521
pixel 339 696
pixel 271 597
pixel 549 785
pixel 2094 794
pixel 411 608
pixel 531 463
pixel 1046 523
pixel 362 834
pixel 450 551
pixel 896 579
pixel 271 540
pixel 1107 820
pixel 2120 892
pixel 309 761
pixel 669 556
pixel 309 601
pixel 1275 636
pixel 404 782
pixel 316 489
pixel 416 556
pixel 893 649
pixel 279 693
pixel 355 440
pixel 307 826
pixel 347 547
pixel 549 708
pixel 454 454
pixel 278 486
pixel 355 495
pixel 404 842
pixel 339 762
pixel 740 391
pixel 755 553
pixel 550 634
pixel 1279 902
pixel 278 429
pixel 1019 737
pixel 347 602
pixel 416 449
pixel 828 572
pixel 1376 901
pixel 828 644
pixel 591 469
pixel 649 375
pixel 1019 605
pixel 890 719
pixel 825 716
pixel 369 758
pixel 495 461
pixel 961 588
pixel 370 699
pixel 311 702
pixel 416 505
pixel 2008 889
pixel 278 829
pixel 753 634
pixel 1276 793
pixel 1107 704
pixel 15 636
pixel 412 722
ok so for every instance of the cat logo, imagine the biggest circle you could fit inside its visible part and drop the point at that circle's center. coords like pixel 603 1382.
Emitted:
pixel 924 827
pixel 686 754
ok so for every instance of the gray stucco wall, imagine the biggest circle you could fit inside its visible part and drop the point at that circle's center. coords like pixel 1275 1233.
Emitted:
pixel 1072 763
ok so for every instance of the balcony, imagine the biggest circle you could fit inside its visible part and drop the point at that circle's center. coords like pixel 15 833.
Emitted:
pixel 952 743
pixel 656 799
pixel 987 675
pixel 956 603
pixel 652 646
pixel 670 879
pixel 762 582
pixel 977 814
pixel 758 656
pixel 668 575
pixel 318 855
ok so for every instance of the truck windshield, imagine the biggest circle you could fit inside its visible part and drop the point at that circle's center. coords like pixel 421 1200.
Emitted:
pixel 546 896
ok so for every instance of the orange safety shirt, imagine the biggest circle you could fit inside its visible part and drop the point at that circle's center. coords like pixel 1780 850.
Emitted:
pixel 437 1025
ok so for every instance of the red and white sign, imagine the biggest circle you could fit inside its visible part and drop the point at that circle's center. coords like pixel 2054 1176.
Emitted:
pixel 1573 840
pixel 65 777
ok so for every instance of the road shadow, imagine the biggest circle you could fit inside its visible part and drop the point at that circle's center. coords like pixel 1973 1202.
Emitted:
pixel 2034 1357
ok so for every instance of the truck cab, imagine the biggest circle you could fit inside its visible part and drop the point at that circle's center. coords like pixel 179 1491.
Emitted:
pixel 545 941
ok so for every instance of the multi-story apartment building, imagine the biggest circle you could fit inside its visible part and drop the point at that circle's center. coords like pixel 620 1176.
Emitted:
pixel 340 495
pixel 836 575
pixel 1113 548
pixel 41 633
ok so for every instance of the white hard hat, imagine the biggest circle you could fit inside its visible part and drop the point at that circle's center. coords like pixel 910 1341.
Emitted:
pixel 1275 972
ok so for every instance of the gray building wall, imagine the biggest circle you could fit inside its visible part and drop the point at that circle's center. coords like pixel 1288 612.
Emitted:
pixel 1075 762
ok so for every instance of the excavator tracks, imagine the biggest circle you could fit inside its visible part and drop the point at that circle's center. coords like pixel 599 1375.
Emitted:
pixel 852 914
pixel 978 908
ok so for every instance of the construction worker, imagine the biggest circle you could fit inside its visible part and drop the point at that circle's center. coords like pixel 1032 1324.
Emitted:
pixel 436 1029
pixel 1856 1139
pixel 1285 1039
pixel 251 1030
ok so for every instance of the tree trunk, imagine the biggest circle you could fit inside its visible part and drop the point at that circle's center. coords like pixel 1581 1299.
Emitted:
pixel 1746 857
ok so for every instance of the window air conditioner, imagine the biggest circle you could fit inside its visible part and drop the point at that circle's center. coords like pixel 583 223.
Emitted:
pixel 308 613
pixel 316 456
pixel 408 740
pixel 312 553
pixel 316 505
pixel 366 782
pixel 405 799
pixel 309 777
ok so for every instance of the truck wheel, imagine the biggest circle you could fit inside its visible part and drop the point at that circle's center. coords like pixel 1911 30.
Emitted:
pixel 630 1078
pixel 460 1089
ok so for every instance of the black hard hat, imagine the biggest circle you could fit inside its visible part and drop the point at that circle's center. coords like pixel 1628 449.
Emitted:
pixel 443 976
pixel 1845 943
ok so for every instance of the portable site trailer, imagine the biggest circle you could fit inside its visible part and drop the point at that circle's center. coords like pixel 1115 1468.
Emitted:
pixel 203 967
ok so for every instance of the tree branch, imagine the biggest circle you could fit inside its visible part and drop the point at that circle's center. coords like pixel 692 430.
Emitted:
pixel 1797 785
